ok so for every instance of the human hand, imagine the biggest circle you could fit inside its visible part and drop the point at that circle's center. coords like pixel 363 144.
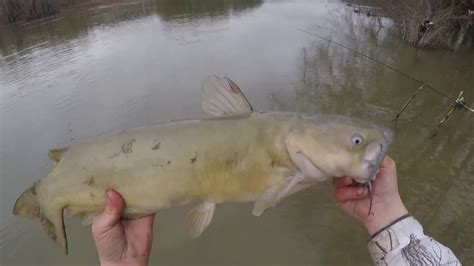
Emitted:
pixel 122 242
pixel 387 205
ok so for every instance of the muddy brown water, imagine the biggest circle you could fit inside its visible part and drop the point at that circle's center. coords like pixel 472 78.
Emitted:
pixel 110 67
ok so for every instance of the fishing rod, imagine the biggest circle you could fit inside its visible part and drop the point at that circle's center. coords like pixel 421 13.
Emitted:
pixel 458 103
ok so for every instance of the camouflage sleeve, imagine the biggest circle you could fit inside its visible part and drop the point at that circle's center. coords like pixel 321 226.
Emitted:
pixel 404 243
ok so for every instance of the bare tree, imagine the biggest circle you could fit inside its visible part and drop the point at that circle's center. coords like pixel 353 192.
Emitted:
pixel 430 23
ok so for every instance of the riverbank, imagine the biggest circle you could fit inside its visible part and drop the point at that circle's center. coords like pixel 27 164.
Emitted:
pixel 426 23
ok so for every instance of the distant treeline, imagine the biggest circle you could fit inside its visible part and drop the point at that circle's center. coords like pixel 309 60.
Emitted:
pixel 20 10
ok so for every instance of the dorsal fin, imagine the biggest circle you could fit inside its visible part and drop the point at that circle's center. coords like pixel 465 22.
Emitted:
pixel 222 97
pixel 56 155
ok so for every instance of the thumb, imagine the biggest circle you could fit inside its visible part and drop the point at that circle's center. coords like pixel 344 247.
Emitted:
pixel 388 170
pixel 111 215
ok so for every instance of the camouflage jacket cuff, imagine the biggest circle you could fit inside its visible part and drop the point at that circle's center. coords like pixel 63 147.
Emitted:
pixel 393 238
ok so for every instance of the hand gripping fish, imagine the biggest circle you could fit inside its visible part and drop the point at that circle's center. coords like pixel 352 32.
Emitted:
pixel 238 155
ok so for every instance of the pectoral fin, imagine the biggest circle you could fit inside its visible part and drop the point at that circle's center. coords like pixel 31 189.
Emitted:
pixel 276 193
pixel 199 218
pixel 306 167
pixel 88 219
pixel 222 97
pixel 135 213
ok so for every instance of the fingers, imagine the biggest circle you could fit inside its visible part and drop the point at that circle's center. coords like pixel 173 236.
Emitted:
pixel 388 168
pixel 349 193
pixel 144 223
pixel 148 220
pixel 345 190
pixel 388 163
pixel 140 231
pixel 111 215
pixel 343 182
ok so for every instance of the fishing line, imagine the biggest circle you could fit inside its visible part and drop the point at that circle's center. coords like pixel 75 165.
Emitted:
pixel 371 194
pixel 455 101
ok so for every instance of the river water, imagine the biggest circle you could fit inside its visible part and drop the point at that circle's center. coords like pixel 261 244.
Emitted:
pixel 106 68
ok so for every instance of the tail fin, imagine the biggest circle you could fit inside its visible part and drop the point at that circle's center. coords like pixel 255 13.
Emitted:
pixel 27 206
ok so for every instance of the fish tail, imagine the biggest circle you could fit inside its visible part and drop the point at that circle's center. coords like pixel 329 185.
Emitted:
pixel 28 206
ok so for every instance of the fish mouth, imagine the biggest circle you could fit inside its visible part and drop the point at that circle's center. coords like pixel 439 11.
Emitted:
pixel 374 165
pixel 380 151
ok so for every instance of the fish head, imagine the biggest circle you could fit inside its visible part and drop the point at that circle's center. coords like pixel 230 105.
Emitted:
pixel 337 146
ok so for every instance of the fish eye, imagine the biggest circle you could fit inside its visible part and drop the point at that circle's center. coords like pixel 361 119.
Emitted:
pixel 357 139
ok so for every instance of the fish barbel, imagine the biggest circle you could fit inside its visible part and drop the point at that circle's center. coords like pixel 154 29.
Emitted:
pixel 238 155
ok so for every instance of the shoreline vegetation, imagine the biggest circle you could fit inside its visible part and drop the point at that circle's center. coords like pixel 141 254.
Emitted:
pixel 426 23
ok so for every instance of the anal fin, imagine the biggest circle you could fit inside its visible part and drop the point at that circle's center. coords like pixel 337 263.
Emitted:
pixel 199 218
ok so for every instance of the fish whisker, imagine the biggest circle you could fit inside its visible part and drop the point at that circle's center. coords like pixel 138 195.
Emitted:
pixel 369 187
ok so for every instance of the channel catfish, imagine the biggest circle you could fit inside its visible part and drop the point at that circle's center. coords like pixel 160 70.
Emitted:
pixel 237 155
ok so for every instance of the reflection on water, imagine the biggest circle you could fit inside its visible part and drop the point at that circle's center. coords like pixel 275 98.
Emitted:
pixel 72 26
pixel 111 67
pixel 170 10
